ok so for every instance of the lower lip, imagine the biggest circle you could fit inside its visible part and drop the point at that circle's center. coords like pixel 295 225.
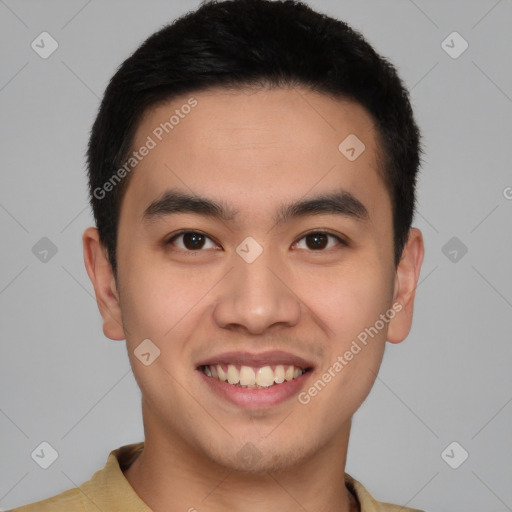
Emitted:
pixel 256 398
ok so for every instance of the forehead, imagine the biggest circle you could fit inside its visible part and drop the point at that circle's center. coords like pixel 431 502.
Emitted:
pixel 247 147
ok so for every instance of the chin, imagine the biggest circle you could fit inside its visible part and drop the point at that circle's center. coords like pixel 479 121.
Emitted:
pixel 262 457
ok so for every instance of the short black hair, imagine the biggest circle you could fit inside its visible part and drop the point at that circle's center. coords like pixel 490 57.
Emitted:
pixel 237 43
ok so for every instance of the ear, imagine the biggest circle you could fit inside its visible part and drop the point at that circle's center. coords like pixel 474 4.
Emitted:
pixel 406 281
pixel 105 287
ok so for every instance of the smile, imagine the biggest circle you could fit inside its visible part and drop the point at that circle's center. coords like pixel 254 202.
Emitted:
pixel 254 381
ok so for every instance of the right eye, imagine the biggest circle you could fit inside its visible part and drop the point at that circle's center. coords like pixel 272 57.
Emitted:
pixel 190 241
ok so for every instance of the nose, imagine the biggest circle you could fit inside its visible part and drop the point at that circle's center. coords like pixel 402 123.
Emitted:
pixel 257 296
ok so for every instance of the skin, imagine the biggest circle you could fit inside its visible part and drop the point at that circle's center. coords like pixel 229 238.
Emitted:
pixel 254 150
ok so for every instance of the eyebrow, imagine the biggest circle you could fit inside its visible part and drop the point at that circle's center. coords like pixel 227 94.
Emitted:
pixel 173 201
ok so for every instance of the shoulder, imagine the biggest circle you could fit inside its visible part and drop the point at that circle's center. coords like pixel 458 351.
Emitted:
pixel 388 507
pixel 107 490
pixel 71 500
pixel 368 503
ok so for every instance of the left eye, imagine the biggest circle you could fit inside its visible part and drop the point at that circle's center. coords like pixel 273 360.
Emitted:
pixel 318 240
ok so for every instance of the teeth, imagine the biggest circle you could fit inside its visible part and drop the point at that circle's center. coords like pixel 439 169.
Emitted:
pixel 264 377
pixel 279 374
pixel 253 378
pixel 233 374
pixel 247 376
pixel 221 373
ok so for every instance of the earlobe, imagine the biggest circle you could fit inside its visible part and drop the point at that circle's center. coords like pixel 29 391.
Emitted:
pixel 101 275
pixel 406 281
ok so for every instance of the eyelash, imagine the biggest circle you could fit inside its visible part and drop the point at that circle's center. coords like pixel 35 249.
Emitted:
pixel 340 240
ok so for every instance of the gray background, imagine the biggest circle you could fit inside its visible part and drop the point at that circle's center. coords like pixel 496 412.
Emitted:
pixel 63 382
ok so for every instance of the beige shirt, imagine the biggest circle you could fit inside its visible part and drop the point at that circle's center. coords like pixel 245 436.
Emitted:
pixel 109 491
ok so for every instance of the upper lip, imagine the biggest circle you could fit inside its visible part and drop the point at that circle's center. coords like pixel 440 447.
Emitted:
pixel 271 358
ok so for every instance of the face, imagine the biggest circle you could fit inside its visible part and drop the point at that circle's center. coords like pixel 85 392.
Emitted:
pixel 276 275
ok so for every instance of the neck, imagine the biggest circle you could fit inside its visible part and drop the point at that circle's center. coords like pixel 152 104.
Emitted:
pixel 172 475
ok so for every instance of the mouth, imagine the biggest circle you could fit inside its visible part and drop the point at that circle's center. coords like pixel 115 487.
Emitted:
pixel 255 380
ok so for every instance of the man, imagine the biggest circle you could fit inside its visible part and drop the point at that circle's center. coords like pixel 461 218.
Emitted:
pixel 252 175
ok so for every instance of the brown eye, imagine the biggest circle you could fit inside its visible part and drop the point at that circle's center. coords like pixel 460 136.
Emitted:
pixel 319 240
pixel 190 241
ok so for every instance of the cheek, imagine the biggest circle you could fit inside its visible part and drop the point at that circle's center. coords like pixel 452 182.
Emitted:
pixel 163 309
pixel 167 307
pixel 351 364
pixel 153 302
pixel 349 300
pixel 351 304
